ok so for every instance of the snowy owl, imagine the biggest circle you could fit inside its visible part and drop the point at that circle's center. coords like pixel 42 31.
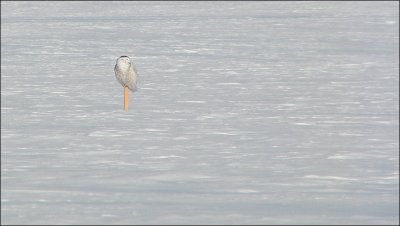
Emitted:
pixel 126 75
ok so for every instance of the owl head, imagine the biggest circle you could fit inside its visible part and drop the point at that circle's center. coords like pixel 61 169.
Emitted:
pixel 123 60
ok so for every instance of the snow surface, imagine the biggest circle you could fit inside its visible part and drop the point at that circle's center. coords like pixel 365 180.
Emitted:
pixel 247 113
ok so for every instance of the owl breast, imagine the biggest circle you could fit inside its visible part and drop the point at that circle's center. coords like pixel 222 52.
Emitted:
pixel 126 75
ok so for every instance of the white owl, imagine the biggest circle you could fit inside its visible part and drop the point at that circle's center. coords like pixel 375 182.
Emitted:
pixel 127 76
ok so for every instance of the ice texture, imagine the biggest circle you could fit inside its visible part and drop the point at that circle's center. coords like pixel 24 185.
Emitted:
pixel 246 113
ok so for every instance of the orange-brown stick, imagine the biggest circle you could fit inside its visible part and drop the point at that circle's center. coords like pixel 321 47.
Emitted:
pixel 126 93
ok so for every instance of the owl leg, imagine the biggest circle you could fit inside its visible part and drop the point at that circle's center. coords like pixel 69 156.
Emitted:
pixel 126 93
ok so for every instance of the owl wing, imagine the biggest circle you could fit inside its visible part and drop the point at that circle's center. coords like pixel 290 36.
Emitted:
pixel 134 69
pixel 132 83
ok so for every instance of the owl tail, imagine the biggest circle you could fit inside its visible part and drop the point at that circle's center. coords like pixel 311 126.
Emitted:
pixel 126 101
